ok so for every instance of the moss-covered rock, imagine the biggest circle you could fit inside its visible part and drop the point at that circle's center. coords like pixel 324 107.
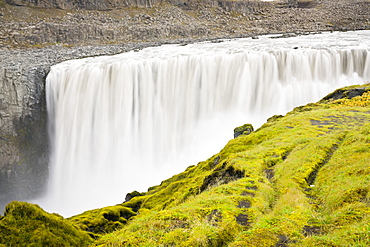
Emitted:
pixel 104 220
pixel 246 129
pixel 26 224
pixel 133 194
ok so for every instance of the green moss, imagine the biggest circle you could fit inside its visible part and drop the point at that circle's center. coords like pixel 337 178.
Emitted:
pixel 104 220
pixel 25 224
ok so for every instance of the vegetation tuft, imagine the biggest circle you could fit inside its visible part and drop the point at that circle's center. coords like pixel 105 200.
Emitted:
pixel 25 224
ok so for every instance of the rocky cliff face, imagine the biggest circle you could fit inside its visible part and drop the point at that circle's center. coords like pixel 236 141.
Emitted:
pixel 23 137
pixel 37 34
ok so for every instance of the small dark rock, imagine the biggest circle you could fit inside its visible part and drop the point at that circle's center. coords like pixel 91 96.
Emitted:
pixel 311 230
pixel 222 175
pixel 133 194
pixel 246 193
pixel 246 129
pixel 342 93
pixel 269 174
pixel 283 241
pixel 243 219
pixel 244 204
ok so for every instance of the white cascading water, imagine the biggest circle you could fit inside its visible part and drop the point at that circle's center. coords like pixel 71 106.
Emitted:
pixel 126 122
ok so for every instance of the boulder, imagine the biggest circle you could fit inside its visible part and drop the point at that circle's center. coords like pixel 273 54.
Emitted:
pixel 246 129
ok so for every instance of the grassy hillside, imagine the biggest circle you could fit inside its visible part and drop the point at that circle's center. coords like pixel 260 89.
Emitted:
pixel 299 180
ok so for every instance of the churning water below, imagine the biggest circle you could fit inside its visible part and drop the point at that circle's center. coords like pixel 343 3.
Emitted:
pixel 126 122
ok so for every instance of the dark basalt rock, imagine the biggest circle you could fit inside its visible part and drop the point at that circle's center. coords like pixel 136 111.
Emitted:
pixel 345 93
pixel 246 129
pixel 283 241
pixel 221 175
pixel 244 204
pixel 243 219
pixel 133 194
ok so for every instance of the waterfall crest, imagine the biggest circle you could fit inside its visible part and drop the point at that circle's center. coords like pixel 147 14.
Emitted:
pixel 126 122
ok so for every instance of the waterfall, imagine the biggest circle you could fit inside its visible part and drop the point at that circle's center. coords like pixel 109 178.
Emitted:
pixel 126 122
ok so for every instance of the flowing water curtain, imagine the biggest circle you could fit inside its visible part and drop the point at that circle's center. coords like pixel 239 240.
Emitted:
pixel 119 123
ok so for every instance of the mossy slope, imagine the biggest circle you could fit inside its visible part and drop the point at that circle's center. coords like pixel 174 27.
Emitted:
pixel 299 180
pixel 25 224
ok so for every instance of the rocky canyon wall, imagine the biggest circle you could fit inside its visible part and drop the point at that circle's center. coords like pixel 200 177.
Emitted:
pixel 23 137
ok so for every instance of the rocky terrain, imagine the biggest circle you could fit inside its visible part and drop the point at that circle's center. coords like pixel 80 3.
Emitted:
pixel 25 25
pixel 37 34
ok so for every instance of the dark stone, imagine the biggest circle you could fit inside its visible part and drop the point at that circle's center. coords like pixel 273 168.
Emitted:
pixel 246 129
pixel 283 241
pixel 343 93
pixel 127 214
pixel 244 204
pixel 311 230
pixel 221 175
pixel 133 194
pixel 111 217
pixel 243 219
pixel 269 174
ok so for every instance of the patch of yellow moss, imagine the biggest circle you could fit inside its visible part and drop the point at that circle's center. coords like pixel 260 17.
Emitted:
pixel 25 224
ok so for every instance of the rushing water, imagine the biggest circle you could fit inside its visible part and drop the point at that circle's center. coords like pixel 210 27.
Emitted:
pixel 126 122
